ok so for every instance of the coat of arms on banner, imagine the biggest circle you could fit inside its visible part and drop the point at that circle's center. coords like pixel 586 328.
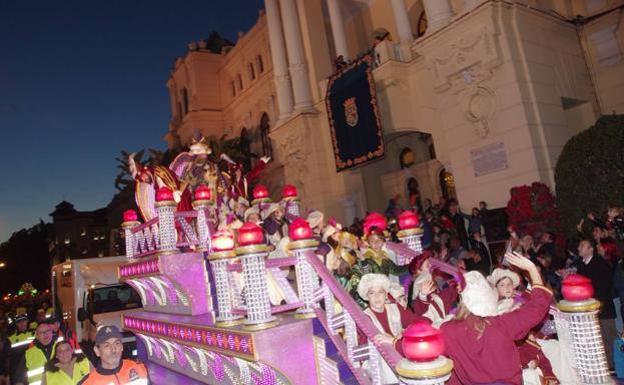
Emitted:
pixel 350 110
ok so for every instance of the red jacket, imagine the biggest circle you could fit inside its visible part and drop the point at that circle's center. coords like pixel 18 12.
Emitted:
pixel 493 356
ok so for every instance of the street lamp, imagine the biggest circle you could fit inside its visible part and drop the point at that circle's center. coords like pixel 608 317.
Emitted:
pixel 2 265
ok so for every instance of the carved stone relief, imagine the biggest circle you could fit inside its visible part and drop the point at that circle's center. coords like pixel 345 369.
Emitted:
pixel 479 105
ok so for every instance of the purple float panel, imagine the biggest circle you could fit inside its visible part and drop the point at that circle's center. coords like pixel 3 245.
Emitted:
pixel 188 270
pixel 285 351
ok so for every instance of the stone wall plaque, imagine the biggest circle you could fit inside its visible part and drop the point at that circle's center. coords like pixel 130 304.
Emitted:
pixel 489 159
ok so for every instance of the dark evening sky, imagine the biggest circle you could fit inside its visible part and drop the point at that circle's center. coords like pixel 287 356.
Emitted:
pixel 82 80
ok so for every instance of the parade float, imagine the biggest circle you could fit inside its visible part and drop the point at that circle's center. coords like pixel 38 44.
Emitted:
pixel 223 307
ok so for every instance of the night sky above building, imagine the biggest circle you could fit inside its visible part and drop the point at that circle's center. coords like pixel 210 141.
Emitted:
pixel 82 80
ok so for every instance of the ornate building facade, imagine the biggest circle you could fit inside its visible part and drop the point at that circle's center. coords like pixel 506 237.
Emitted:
pixel 478 95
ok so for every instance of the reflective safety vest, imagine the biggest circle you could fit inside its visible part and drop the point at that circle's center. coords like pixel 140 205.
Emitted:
pixel 35 362
pixel 128 373
pixel 18 339
pixel 59 377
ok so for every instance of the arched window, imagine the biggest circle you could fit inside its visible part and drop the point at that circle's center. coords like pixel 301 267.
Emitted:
pixel 447 184
pixel 259 64
pixel 252 72
pixel 267 150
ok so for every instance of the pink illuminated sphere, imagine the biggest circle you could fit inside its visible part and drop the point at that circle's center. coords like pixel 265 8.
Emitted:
pixel 576 287
pixel 422 342
pixel 164 194
pixel 250 234
pixel 299 229
pixel 408 220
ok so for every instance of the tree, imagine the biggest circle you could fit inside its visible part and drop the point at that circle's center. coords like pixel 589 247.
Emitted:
pixel 590 171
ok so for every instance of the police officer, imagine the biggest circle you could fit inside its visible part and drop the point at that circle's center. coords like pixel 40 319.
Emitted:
pixel 112 369
pixel 22 336
pixel 29 369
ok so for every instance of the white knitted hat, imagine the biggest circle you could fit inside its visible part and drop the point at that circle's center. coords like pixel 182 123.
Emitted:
pixel 478 296
pixel 270 210
pixel 396 290
pixel 499 274
pixel 370 280
pixel 329 231
pixel 315 218
pixel 251 210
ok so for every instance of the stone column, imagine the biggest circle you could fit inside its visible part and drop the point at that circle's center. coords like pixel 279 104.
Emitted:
pixel 402 20
pixel 278 56
pixel 296 57
pixel 438 13
pixel 338 30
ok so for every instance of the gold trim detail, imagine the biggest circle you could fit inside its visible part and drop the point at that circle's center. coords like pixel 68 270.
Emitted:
pixel 129 225
pixel 202 202
pixel 303 244
pixel 222 255
pixel 260 200
pixel 411 370
pixel 307 315
pixel 261 326
pixel 408 232
pixel 251 249
pixel 579 307
pixel 290 199
pixel 166 203
pixel 229 323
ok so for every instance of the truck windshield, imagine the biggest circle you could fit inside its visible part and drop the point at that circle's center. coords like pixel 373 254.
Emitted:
pixel 113 298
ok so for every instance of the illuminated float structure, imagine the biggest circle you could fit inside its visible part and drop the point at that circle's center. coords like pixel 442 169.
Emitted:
pixel 207 317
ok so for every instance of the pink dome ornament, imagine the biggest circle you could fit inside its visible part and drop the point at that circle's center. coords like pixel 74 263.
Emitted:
pixel 164 194
pixel 203 193
pixel 408 220
pixel 375 220
pixel 250 234
pixel 260 192
pixel 422 342
pixel 289 192
pixel 130 216
pixel 222 241
pixel 299 230
pixel 576 288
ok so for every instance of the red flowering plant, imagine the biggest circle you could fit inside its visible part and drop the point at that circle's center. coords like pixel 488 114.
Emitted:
pixel 531 209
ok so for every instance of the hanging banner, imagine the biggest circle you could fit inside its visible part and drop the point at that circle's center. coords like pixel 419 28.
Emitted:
pixel 354 121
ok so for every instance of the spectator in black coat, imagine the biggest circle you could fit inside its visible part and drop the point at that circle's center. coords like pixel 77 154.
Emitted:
pixel 458 220
pixel 600 272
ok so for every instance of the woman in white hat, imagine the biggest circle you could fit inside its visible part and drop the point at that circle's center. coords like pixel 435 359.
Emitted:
pixel 479 341
pixel 389 318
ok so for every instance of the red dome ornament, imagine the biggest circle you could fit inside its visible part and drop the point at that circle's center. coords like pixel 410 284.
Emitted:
pixel 222 241
pixel 408 220
pixel 250 234
pixel 576 287
pixel 299 230
pixel 422 342
pixel 203 193
pixel 260 192
pixel 164 194
pixel 375 220
pixel 289 192
pixel 130 216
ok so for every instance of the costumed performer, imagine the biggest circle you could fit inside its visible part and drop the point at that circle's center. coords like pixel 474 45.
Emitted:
pixel 505 282
pixel 388 318
pixel 427 298
pixel 480 342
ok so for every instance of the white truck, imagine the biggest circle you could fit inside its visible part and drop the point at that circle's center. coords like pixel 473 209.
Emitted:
pixel 87 294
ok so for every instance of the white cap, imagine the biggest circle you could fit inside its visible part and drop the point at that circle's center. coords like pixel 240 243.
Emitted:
pixel 499 274
pixel 371 280
pixel 478 296
pixel 315 218
pixel 396 290
pixel 329 231
pixel 251 210
pixel 270 210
